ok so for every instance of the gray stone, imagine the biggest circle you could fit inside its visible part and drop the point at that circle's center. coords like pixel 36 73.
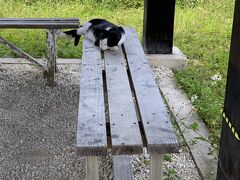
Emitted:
pixel 176 61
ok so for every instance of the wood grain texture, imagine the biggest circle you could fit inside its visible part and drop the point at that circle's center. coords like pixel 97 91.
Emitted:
pixel 125 133
pixel 159 132
pixel 156 167
pixel 51 58
pixel 21 53
pixel 91 129
pixel 40 19
pixel 41 23
pixel 92 168
pixel 122 167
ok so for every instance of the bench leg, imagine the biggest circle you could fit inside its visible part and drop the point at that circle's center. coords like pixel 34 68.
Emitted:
pixel 51 58
pixel 92 168
pixel 156 167
pixel 122 167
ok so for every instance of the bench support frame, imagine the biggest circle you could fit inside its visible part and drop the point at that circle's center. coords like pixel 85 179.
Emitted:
pixel 52 25
pixel 21 53
pixel 50 68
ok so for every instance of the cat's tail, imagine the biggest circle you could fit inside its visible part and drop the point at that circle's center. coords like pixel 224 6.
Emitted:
pixel 74 34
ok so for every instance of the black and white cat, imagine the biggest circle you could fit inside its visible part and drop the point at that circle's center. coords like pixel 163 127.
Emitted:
pixel 103 33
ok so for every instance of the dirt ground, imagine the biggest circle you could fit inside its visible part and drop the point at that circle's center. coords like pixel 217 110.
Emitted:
pixel 38 127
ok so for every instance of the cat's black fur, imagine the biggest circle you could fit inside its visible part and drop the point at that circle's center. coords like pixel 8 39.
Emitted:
pixel 103 33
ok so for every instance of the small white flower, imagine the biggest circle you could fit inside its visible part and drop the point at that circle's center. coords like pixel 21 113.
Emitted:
pixel 194 98
pixel 216 77
pixel 214 83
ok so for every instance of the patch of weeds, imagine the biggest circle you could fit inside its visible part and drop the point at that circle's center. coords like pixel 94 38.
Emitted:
pixel 167 158
pixel 171 174
pixel 146 162
pixel 203 33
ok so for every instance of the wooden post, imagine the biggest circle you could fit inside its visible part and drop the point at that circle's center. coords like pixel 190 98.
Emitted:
pixel 229 155
pixel 122 167
pixel 51 58
pixel 158 26
pixel 92 168
pixel 156 167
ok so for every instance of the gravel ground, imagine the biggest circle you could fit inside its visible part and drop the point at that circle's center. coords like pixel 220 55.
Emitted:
pixel 38 130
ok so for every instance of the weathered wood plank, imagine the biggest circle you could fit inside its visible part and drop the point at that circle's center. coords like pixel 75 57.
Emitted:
pixel 158 130
pixel 21 53
pixel 92 168
pixel 37 22
pixel 156 167
pixel 125 133
pixel 39 25
pixel 39 19
pixel 91 130
pixel 122 167
pixel 51 58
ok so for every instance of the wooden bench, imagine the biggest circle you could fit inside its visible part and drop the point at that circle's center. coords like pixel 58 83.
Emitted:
pixel 52 25
pixel 121 108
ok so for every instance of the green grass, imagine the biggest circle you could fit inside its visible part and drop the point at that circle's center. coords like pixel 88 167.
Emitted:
pixel 202 32
pixel 33 41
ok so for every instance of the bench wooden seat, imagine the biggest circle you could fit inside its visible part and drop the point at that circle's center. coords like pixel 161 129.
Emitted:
pixel 121 108
pixel 52 25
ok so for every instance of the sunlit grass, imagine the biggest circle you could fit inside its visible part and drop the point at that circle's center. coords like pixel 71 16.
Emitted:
pixel 203 33
pixel 33 41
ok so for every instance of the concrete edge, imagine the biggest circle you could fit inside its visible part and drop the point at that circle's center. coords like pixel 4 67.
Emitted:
pixel 184 114
pixel 175 61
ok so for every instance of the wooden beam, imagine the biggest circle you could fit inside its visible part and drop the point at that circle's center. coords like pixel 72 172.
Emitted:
pixel 40 23
pixel 21 53
pixel 122 167
pixel 229 155
pixel 51 58
pixel 158 26
pixel 40 19
pixel 156 167
pixel 92 168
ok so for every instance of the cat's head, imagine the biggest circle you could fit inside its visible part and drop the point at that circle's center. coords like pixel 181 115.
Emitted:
pixel 112 38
